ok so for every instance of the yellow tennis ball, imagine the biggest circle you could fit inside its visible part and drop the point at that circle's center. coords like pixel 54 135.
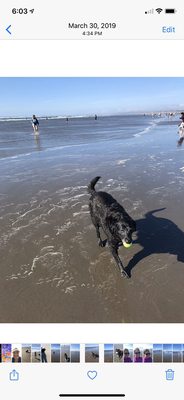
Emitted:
pixel 127 245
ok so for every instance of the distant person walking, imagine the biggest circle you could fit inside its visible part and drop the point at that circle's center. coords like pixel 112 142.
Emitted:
pixel 35 124
pixel 182 116
pixel 181 133
pixel 96 117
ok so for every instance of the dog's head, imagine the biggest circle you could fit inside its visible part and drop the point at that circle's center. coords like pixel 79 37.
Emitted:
pixel 125 231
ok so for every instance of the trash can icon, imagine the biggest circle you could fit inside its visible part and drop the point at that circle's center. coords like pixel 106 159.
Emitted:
pixel 169 375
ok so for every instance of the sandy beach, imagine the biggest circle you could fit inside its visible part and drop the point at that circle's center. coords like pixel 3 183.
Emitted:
pixel 52 269
pixel 75 353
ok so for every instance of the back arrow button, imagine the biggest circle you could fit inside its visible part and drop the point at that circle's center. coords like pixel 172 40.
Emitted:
pixel 7 29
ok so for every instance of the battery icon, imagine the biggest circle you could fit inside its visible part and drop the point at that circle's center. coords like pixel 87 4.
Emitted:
pixel 170 10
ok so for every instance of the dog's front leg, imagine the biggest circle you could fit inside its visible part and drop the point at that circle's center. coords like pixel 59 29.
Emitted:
pixel 114 250
pixel 101 242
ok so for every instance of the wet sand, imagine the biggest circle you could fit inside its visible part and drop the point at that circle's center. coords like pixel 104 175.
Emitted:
pixel 55 355
pixel 177 357
pixel 36 356
pixel 157 356
pixel 108 356
pixel 75 356
pixel 167 356
pixel 52 269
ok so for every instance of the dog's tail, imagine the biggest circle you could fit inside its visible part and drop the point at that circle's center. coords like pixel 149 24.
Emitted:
pixel 91 186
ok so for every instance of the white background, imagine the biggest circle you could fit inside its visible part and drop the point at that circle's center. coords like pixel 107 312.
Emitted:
pixel 91 58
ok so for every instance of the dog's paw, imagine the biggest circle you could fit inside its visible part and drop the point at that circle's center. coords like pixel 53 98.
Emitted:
pixel 124 274
pixel 102 243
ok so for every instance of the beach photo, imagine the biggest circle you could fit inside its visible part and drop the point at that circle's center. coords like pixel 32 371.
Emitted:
pixel 167 352
pixel 26 353
pixel 91 353
pixel 36 353
pixel 75 353
pixel 157 353
pixel 65 353
pixel 177 353
pixel 108 353
pixel 55 353
pixel 91 200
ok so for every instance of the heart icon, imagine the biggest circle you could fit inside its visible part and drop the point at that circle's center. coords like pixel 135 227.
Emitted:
pixel 92 374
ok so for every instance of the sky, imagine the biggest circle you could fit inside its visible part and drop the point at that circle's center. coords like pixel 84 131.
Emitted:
pixel 177 347
pixel 108 346
pixel 167 347
pixel 55 347
pixel 88 96
pixel 36 347
pixel 75 347
pixel 158 346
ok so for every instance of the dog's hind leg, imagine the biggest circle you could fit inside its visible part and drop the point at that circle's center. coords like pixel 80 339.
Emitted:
pixel 114 250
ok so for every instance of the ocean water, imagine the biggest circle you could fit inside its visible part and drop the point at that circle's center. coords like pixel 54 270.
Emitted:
pixel 17 138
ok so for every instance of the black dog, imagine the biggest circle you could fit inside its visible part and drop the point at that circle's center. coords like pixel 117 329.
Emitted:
pixel 94 355
pixel 67 359
pixel 119 353
pixel 108 214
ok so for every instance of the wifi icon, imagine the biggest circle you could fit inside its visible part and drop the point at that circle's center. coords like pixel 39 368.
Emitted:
pixel 159 10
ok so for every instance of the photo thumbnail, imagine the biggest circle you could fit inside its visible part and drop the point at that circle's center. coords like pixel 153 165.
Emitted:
pixel 55 353
pixel 26 353
pixel 6 353
pixel 16 353
pixel 65 353
pixel 92 353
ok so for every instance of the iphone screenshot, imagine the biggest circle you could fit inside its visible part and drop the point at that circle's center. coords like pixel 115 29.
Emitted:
pixel 91 200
